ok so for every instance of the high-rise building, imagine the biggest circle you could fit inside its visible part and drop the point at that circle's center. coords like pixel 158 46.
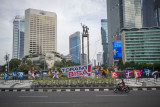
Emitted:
pixel 141 45
pixel 104 36
pixel 132 16
pixel 75 47
pixel 121 14
pixel 99 58
pixel 40 32
pixel 151 13
pixel 18 37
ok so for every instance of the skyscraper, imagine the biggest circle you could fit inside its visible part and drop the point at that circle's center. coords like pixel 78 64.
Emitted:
pixel 75 47
pixel 121 14
pixel 151 13
pixel 18 37
pixel 40 31
pixel 132 16
pixel 104 36
pixel 99 58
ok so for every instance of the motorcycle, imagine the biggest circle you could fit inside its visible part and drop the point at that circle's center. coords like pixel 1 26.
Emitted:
pixel 120 88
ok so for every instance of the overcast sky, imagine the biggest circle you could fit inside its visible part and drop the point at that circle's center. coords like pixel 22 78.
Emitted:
pixel 70 13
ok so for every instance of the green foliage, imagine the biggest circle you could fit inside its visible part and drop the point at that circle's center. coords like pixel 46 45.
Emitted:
pixel 29 62
pixel 120 64
pixel 104 66
pixel 14 64
pixel 23 68
pixel 132 65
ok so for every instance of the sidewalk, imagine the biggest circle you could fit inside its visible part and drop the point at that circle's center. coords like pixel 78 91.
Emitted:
pixel 143 82
pixel 15 84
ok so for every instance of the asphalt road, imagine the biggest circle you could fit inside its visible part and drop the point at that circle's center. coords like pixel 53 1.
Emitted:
pixel 80 99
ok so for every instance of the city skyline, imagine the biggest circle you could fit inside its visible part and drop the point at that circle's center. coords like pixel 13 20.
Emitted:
pixel 68 21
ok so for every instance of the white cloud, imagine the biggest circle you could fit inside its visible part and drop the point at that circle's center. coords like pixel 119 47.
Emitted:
pixel 70 13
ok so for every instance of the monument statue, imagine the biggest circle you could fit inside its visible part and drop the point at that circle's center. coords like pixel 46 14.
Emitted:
pixel 85 29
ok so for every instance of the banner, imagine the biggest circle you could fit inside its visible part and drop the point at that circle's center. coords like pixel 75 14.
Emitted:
pixel 78 71
pixel 114 74
pixel 127 73
pixel 137 73
pixel 32 74
pixel 147 71
pixel 21 75
pixel 14 74
pixel 6 75
pixel 141 73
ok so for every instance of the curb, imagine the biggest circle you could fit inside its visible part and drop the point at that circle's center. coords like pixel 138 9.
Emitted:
pixel 73 89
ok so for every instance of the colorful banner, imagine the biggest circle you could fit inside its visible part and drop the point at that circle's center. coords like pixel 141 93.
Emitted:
pixel 127 73
pixel 14 74
pixel 21 75
pixel 114 74
pixel 137 73
pixel 141 71
pixel 6 75
pixel 32 74
pixel 107 71
pixel 147 71
pixel 78 71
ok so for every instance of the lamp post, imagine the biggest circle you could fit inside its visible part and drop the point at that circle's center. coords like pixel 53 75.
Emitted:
pixel 44 61
pixel 8 62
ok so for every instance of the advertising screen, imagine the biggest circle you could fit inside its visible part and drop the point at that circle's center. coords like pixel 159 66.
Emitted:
pixel 117 49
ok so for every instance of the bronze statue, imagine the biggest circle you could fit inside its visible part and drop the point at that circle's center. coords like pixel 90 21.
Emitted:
pixel 85 29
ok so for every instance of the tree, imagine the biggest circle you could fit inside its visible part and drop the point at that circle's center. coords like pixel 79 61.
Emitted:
pixel 104 66
pixel 29 62
pixel 156 66
pixel 14 64
pixel 23 68
pixel 120 64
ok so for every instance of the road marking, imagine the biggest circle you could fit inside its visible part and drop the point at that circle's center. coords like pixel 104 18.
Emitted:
pixel 96 89
pixel 106 89
pixel 68 90
pixel 153 88
pixel 55 102
pixel 77 89
pixel 86 89
pixel 111 95
pixel 32 96
pixel 144 89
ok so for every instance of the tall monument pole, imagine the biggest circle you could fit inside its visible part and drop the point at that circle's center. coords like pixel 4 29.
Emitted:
pixel 85 34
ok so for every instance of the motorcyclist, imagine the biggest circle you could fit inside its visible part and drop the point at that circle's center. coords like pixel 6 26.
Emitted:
pixel 122 84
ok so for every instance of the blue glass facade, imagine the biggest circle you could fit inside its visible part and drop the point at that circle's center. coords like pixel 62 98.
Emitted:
pixel 104 36
pixel 75 47
pixel 151 13
pixel 18 38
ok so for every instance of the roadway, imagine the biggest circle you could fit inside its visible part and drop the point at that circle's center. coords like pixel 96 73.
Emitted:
pixel 80 99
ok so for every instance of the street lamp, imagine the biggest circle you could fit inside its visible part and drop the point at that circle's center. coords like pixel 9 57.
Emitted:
pixel 8 62
pixel 44 61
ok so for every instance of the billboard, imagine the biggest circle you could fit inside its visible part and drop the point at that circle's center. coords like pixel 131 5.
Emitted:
pixel 117 49
pixel 78 71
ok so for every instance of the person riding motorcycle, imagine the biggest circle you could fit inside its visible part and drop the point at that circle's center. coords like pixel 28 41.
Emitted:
pixel 122 84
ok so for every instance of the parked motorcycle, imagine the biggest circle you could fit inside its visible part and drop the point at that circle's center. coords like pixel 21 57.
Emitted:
pixel 120 88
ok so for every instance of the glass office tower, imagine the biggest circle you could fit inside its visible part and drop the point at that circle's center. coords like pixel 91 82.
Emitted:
pixel 18 37
pixel 104 36
pixel 75 47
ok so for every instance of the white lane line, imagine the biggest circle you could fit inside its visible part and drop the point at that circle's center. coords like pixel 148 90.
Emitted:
pixel 32 96
pixel 111 95
pixel 55 102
